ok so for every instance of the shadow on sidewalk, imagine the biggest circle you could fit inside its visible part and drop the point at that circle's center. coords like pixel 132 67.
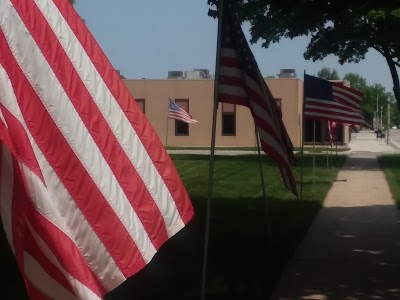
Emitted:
pixel 364 163
pixel 349 253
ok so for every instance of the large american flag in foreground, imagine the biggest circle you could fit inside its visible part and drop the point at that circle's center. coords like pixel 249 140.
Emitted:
pixel 88 193
pixel 240 82
pixel 322 104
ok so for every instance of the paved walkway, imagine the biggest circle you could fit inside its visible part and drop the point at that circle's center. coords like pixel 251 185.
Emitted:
pixel 352 250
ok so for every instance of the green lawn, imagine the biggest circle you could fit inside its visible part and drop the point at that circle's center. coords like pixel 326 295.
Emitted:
pixel 391 167
pixel 244 260
pixel 308 148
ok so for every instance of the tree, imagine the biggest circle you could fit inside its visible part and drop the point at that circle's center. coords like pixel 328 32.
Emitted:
pixel 374 97
pixel 328 74
pixel 357 81
pixel 345 28
pixel 72 2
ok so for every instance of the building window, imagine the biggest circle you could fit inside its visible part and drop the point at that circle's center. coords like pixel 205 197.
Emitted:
pixel 182 128
pixel 228 119
pixel 140 102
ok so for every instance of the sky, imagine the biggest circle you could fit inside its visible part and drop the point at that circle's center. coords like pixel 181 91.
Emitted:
pixel 148 38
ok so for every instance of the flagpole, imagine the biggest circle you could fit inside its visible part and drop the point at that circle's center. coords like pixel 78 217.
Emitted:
pixel 212 155
pixel 327 156
pixel 267 209
pixel 302 122
pixel 314 155
pixel 166 136
pixel 336 144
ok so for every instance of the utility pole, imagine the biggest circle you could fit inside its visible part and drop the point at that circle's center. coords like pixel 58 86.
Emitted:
pixel 381 115
pixel 388 124
pixel 377 112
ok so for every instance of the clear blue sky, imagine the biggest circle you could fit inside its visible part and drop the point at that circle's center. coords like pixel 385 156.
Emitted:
pixel 147 38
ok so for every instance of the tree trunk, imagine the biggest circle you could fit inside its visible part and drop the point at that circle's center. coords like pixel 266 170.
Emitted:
pixel 395 77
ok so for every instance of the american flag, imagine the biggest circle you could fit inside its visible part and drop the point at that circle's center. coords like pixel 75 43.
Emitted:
pixel 88 193
pixel 320 103
pixel 240 82
pixel 178 113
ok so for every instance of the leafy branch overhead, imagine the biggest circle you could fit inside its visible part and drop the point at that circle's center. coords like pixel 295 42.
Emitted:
pixel 345 28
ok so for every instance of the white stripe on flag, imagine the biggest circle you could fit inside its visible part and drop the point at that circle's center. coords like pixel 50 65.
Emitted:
pixel 230 72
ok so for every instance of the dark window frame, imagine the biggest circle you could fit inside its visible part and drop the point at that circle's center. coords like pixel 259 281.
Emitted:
pixel 224 114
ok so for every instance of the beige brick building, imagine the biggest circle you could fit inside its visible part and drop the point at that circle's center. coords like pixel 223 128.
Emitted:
pixel 235 125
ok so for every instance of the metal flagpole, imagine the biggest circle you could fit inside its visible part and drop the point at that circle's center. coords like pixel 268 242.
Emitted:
pixel 327 156
pixel 336 144
pixel 314 155
pixel 166 136
pixel 302 122
pixel 388 124
pixel 267 209
pixel 212 155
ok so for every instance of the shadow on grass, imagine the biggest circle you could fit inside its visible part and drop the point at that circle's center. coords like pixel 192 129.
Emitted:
pixel 244 262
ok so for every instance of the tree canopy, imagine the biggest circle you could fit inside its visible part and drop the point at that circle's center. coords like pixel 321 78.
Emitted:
pixel 328 74
pixel 345 28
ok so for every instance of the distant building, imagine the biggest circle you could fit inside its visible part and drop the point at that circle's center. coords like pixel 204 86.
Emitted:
pixel 194 90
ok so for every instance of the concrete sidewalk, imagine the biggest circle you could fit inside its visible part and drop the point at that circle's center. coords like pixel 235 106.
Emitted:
pixel 352 250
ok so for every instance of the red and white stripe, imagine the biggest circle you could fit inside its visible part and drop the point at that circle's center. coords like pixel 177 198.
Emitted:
pixel 99 193
pixel 332 111
pixel 236 87
pixel 332 131
pixel 347 96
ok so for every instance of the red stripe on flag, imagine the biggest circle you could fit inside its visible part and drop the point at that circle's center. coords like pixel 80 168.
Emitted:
pixel 138 121
pixel 233 81
pixel 125 173
pixel 227 98
pixel 71 172
pixel 230 62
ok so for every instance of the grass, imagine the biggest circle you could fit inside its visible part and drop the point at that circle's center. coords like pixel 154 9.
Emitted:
pixel 245 261
pixel 308 148
pixel 390 165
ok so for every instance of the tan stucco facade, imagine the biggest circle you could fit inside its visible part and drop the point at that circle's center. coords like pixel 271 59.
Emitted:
pixel 199 93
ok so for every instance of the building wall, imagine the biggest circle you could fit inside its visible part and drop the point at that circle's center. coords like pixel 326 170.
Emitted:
pixel 200 94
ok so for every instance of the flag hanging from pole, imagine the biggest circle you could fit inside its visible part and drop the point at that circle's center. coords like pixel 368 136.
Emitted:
pixel 240 82
pixel 178 113
pixel 88 193
pixel 332 131
pixel 321 104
